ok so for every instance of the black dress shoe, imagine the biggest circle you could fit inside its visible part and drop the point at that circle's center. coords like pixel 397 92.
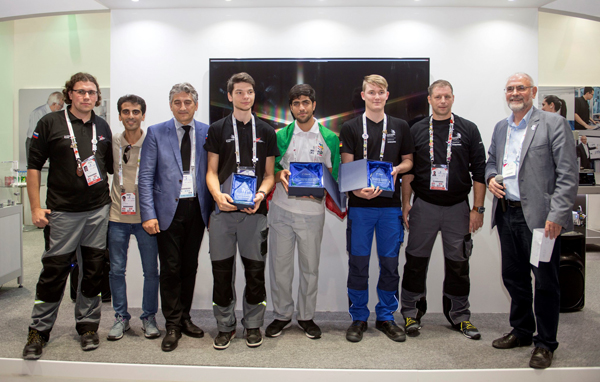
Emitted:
pixel 356 330
pixel 171 340
pixel 190 329
pixel 510 341
pixel 540 358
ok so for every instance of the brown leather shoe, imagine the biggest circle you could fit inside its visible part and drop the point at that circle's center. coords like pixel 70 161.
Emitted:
pixel 509 341
pixel 540 358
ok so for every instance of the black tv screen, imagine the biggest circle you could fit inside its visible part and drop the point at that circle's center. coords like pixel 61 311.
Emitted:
pixel 337 82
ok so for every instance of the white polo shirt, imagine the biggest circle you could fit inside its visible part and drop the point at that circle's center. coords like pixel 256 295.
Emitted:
pixel 304 147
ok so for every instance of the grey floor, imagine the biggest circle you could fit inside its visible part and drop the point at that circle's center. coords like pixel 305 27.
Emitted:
pixel 438 347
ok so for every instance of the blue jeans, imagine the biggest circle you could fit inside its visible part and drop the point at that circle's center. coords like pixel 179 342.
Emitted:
pixel 118 244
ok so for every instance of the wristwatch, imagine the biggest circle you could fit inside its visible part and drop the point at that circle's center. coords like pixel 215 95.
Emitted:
pixel 479 209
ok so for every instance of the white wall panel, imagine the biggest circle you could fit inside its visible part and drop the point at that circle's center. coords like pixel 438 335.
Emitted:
pixel 474 48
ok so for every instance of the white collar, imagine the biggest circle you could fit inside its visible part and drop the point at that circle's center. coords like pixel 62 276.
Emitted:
pixel 314 129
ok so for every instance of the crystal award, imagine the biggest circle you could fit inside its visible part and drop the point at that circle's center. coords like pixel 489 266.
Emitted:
pixel 242 189
pixel 306 174
pixel 380 175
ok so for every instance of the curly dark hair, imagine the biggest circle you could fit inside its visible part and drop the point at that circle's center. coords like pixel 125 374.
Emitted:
pixel 80 77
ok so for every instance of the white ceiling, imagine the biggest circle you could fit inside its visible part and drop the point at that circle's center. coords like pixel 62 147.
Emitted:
pixel 128 4
pixel 15 9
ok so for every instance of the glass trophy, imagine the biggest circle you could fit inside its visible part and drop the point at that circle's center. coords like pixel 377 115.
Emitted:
pixel 243 189
pixel 380 175
pixel 304 174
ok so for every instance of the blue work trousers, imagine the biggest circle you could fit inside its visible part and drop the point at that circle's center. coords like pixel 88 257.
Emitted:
pixel 389 231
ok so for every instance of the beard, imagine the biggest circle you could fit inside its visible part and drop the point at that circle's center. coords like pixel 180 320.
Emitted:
pixel 305 119
pixel 518 105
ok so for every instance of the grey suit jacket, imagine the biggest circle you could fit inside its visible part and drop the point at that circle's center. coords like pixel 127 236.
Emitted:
pixel 548 175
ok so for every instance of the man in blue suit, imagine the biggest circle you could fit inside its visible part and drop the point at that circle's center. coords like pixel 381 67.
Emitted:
pixel 175 206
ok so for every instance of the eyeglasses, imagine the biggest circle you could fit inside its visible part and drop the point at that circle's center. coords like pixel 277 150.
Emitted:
pixel 82 92
pixel 519 89
pixel 126 153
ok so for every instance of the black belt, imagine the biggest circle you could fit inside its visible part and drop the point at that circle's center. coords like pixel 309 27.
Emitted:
pixel 512 203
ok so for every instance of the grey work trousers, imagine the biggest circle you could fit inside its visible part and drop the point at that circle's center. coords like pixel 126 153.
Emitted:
pixel 63 234
pixel 425 221
pixel 287 229
pixel 248 233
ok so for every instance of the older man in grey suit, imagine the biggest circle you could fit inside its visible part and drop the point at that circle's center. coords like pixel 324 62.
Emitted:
pixel 535 152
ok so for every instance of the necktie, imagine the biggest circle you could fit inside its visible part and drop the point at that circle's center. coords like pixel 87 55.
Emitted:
pixel 186 149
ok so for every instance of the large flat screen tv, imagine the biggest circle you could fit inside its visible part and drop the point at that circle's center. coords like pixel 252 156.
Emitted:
pixel 337 82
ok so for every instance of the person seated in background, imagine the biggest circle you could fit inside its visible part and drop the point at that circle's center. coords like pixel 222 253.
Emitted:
pixel 554 104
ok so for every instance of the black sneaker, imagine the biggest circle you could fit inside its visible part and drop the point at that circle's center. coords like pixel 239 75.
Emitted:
pixel 253 337
pixel 223 340
pixel 34 345
pixel 469 330
pixel 276 327
pixel 355 331
pixel 311 329
pixel 89 340
pixel 390 329
pixel 412 326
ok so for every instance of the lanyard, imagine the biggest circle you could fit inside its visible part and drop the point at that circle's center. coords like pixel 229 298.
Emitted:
pixel 74 141
pixel 237 143
pixel 449 149
pixel 137 171
pixel 509 130
pixel 366 136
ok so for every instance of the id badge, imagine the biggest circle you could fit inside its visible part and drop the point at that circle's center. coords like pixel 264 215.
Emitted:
pixel 509 170
pixel 127 203
pixel 90 170
pixel 439 177
pixel 187 186
pixel 243 170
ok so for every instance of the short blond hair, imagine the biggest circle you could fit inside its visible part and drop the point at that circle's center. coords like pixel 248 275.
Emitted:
pixel 375 80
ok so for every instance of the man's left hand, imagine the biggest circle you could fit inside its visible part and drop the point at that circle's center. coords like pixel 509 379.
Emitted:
pixel 475 221
pixel 257 199
pixel 552 230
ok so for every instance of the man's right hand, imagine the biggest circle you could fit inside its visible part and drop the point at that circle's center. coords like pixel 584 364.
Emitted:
pixel 224 201
pixel 496 188
pixel 151 226
pixel 38 217
pixel 284 175
pixel 368 193
pixel 405 211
